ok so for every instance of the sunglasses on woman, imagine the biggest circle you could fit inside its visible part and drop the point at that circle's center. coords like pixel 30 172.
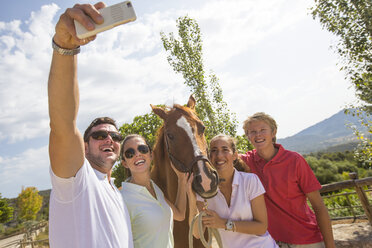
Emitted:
pixel 130 152
pixel 102 134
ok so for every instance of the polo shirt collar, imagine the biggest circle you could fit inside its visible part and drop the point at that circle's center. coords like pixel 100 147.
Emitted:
pixel 101 176
pixel 256 157
pixel 276 158
pixel 236 177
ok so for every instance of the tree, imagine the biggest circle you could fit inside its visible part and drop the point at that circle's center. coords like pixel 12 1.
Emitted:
pixel 363 152
pixel 29 203
pixel 145 125
pixel 351 22
pixel 186 57
pixel 6 211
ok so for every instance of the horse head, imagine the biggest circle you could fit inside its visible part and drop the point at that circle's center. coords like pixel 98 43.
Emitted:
pixel 186 146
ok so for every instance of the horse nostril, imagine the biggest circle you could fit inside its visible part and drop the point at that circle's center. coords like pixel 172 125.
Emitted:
pixel 217 177
pixel 198 178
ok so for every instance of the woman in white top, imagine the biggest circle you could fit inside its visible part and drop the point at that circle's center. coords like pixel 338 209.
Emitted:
pixel 151 214
pixel 238 210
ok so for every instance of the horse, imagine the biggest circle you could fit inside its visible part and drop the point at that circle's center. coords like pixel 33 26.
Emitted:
pixel 181 140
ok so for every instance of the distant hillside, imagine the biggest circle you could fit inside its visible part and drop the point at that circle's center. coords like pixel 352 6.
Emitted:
pixel 331 134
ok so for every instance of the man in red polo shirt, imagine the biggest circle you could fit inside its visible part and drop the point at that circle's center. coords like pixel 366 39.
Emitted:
pixel 289 182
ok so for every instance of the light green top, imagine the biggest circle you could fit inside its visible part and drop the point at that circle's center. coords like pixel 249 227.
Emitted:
pixel 151 219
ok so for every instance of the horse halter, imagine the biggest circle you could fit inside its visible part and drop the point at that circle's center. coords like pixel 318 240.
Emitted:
pixel 178 164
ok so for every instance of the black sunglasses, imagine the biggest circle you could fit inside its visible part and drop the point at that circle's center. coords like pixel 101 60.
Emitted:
pixel 102 134
pixel 130 152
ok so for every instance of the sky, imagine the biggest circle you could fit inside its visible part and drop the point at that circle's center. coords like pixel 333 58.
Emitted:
pixel 269 56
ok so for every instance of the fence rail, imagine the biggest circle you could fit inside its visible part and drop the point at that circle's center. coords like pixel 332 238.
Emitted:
pixel 358 185
pixel 27 238
pixel 33 244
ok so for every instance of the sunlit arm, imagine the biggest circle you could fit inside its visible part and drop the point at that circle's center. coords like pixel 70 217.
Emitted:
pixel 257 226
pixel 322 218
pixel 66 147
pixel 179 207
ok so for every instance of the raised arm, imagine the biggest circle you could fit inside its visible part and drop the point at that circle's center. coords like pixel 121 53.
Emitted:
pixel 66 145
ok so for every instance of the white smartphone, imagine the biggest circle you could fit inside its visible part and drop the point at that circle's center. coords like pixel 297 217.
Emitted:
pixel 113 16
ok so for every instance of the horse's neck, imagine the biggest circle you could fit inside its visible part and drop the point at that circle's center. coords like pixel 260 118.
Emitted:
pixel 162 174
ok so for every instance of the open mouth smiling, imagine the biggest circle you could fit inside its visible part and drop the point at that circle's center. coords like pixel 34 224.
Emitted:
pixel 220 162
pixel 139 162
pixel 108 149
pixel 259 140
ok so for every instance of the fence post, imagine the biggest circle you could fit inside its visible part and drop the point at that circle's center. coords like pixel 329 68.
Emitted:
pixel 362 197
pixel 351 207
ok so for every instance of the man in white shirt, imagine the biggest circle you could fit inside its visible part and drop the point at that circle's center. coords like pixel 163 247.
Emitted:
pixel 86 209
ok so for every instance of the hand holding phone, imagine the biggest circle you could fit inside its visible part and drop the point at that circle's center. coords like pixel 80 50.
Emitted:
pixel 113 16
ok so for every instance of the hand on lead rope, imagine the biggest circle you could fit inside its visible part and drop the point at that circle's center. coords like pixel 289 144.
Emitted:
pixel 212 219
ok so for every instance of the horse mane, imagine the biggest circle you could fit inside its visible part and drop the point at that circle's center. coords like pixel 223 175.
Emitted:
pixel 161 165
pixel 159 148
pixel 187 111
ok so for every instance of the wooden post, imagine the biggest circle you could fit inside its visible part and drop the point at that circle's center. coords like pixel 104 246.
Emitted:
pixel 362 197
pixel 351 207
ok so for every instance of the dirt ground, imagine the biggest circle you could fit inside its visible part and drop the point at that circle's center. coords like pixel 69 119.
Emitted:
pixel 348 221
pixel 350 234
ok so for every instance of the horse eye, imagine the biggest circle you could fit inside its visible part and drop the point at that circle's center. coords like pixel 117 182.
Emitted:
pixel 201 128
pixel 170 136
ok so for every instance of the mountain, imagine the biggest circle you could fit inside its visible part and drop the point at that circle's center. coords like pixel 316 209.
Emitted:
pixel 331 134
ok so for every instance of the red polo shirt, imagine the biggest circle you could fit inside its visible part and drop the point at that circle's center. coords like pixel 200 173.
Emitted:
pixel 287 178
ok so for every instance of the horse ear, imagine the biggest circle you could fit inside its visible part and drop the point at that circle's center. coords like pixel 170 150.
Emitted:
pixel 191 102
pixel 159 111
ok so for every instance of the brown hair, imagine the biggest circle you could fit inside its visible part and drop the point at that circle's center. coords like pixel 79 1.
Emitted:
pixel 96 122
pixel 122 157
pixel 238 163
pixel 261 116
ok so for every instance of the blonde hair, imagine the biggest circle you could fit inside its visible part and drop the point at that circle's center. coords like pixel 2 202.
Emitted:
pixel 261 116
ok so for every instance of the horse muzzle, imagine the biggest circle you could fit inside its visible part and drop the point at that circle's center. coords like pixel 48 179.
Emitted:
pixel 205 181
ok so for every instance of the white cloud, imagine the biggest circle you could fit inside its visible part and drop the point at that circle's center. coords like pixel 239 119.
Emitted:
pixel 23 75
pixel 232 27
pixel 29 168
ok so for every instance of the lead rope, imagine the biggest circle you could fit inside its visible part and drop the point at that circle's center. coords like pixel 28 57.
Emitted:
pixel 211 231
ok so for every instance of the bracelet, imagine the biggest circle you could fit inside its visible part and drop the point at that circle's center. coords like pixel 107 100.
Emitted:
pixel 64 51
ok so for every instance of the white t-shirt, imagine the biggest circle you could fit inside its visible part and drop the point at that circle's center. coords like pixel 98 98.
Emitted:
pixel 245 187
pixel 87 211
pixel 152 219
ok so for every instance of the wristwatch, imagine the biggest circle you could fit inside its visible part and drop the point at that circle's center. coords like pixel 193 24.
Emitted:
pixel 230 226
